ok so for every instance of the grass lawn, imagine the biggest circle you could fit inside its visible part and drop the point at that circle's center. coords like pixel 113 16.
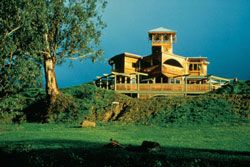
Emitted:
pixel 184 146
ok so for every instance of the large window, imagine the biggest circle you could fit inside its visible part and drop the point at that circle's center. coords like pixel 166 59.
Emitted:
pixel 194 67
pixel 173 62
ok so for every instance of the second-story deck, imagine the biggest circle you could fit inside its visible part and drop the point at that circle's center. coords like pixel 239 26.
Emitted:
pixel 132 85
pixel 160 89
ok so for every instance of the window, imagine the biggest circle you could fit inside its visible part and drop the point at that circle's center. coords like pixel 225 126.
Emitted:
pixel 195 66
pixel 165 37
pixel 199 66
pixel 173 62
pixel 190 67
pixel 134 65
pixel 157 38
pixel 113 66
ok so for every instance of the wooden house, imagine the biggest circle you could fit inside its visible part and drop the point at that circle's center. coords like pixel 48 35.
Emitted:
pixel 160 73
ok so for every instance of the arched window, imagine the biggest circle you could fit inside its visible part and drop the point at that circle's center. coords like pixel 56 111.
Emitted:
pixel 173 62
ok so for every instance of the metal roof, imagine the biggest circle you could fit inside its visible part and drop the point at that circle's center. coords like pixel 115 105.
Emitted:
pixel 161 29
pixel 197 57
pixel 132 55
pixel 125 54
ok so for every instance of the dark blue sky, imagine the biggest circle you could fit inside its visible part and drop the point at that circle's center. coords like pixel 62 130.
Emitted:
pixel 217 29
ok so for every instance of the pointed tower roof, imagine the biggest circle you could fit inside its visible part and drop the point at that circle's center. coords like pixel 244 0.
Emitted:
pixel 161 30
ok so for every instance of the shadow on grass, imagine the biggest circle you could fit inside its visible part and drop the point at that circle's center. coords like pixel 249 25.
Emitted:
pixel 81 153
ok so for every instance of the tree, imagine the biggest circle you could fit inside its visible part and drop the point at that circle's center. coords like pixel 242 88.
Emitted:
pixel 18 70
pixel 51 31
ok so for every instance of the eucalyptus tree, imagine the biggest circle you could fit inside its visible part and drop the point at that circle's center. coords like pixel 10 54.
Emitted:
pixel 52 31
pixel 18 70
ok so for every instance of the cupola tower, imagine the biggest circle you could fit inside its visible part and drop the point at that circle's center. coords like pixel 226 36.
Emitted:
pixel 162 40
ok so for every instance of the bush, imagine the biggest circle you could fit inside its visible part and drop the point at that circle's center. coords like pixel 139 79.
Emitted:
pixel 63 110
pixel 88 101
pixel 11 108
pixel 241 87
pixel 202 110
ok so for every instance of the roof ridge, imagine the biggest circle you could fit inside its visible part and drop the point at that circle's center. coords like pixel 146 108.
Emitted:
pixel 161 29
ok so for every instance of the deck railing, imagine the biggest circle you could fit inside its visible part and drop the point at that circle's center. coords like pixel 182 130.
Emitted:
pixel 177 88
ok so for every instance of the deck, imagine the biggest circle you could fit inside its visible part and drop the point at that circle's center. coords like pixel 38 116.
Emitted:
pixel 149 90
pixel 134 86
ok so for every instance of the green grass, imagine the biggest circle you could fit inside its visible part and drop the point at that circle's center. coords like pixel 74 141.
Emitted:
pixel 225 144
pixel 206 130
pixel 233 138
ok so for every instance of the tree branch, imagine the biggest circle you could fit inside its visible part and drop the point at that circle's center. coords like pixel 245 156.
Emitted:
pixel 15 29
pixel 43 52
pixel 80 57
pixel 76 58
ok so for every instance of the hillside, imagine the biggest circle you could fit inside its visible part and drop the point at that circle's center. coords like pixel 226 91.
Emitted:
pixel 205 130
pixel 229 104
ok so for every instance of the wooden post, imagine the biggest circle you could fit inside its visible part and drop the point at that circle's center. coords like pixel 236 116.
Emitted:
pixel 138 80
pixel 210 84
pixel 100 82
pixel 161 83
pixel 185 85
pixel 120 79
pixel 130 81
pixel 107 83
pixel 115 83
pixel 125 81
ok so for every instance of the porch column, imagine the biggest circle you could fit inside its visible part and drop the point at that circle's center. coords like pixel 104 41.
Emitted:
pixel 185 85
pixel 100 82
pixel 210 84
pixel 138 86
pixel 115 83
pixel 126 79
pixel 107 83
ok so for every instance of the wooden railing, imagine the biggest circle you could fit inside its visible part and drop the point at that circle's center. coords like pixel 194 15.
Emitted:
pixel 178 88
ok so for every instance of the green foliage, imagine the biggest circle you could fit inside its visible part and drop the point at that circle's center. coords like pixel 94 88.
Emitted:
pixel 92 102
pixel 49 32
pixel 241 87
pixel 18 69
pixel 88 101
pixel 73 27
pixel 202 110
pixel 12 107
pixel 63 110
pixel 19 76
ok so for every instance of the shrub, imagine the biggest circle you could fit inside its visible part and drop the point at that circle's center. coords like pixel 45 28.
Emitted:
pixel 63 110
pixel 11 107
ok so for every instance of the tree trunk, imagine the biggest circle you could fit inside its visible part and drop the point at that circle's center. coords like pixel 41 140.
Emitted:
pixel 52 90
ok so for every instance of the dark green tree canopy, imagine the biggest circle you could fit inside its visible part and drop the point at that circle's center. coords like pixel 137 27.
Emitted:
pixel 50 31
pixel 73 26
pixel 18 69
